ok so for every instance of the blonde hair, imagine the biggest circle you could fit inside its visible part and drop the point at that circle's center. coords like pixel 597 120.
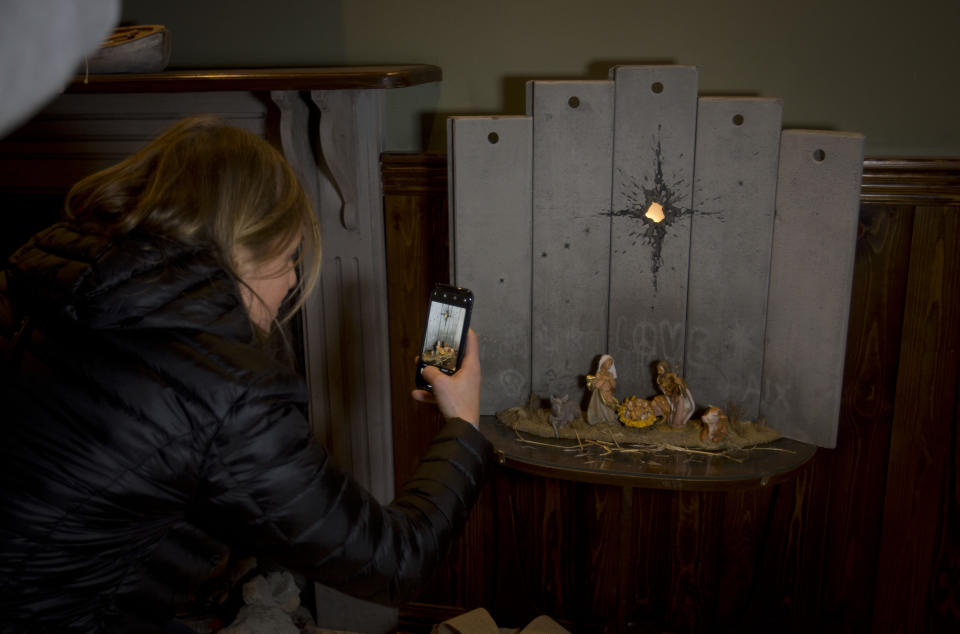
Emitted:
pixel 202 181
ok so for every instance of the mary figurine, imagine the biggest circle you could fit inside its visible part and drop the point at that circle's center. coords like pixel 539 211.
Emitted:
pixel 603 402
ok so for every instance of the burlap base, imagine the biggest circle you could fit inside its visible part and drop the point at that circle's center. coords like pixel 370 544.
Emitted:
pixel 740 434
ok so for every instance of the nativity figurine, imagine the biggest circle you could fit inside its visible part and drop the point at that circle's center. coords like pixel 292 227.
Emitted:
pixel 663 420
pixel 638 412
pixel 603 405
pixel 715 425
pixel 676 401
pixel 562 411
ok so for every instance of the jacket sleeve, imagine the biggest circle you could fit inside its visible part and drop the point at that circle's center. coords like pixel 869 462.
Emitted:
pixel 275 491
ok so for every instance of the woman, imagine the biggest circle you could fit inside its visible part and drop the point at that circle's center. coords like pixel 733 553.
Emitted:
pixel 148 431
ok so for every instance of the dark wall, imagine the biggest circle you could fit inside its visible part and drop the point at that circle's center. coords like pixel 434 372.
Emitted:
pixel 884 68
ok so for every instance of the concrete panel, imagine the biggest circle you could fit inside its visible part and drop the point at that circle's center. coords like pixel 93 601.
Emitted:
pixel 655 126
pixel 734 193
pixel 572 159
pixel 811 274
pixel 491 236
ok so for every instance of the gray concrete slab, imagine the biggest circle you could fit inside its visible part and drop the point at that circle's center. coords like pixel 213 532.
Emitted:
pixel 811 278
pixel 654 130
pixel 572 159
pixel 490 163
pixel 734 194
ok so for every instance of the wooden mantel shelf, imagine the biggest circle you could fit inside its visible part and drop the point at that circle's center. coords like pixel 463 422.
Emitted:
pixel 261 79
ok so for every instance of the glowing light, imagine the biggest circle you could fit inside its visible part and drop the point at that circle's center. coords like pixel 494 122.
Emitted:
pixel 655 212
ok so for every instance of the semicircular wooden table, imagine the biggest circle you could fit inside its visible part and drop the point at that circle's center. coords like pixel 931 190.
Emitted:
pixel 684 473
pixel 705 471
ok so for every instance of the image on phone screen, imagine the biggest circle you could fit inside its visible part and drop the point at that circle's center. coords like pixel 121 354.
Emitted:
pixel 441 344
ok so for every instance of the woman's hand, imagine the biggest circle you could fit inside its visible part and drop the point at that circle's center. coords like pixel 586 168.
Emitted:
pixel 457 395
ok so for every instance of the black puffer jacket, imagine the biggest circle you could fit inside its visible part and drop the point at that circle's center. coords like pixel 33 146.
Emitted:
pixel 142 434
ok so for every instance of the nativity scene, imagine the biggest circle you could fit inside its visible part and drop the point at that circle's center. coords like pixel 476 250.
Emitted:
pixel 669 418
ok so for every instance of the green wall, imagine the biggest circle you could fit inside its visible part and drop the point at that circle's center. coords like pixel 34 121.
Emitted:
pixel 885 68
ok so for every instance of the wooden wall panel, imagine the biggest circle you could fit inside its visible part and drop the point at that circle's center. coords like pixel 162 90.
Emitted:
pixel 603 561
pixel 77 135
pixel 693 561
pixel 853 471
pixel 943 607
pixel 837 508
pixel 921 480
pixel 417 253
pixel 647 599
pixel 743 538
pixel 416 231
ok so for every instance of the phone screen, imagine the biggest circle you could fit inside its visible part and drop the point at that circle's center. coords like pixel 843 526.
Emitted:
pixel 448 319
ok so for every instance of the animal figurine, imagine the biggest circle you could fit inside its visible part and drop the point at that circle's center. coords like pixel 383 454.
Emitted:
pixel 674 388
pixel 715 425
pixel 562 411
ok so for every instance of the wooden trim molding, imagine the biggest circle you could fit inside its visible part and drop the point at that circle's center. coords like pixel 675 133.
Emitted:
pixel 911 181
pixel 405 174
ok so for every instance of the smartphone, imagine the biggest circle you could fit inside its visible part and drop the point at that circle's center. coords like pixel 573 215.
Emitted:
pixel 445 331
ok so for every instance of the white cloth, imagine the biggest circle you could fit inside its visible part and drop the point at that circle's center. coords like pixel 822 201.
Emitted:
pixel 42 46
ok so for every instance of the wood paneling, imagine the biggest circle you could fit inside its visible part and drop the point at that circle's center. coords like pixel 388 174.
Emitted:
pixel 416 240
pixel 911 181
pixel 866 538
pixel 417 254
pixel 921 477
pixel 852 473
